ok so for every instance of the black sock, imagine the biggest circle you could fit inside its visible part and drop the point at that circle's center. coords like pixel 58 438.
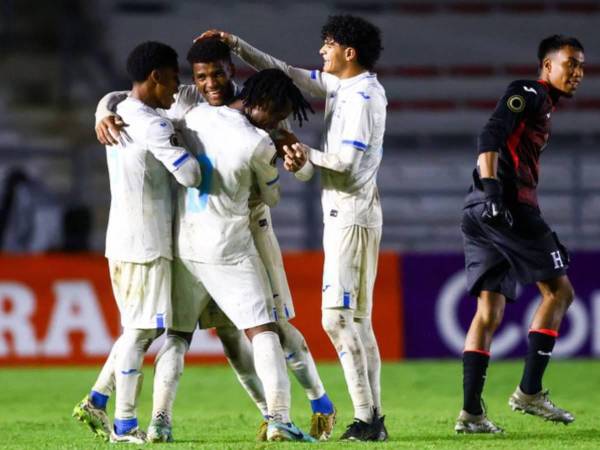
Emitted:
pixel 538 356
pixel 474 368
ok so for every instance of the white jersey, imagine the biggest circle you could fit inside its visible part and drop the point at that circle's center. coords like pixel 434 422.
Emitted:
pixel 212 222
pixel 352 144
pixel 139 223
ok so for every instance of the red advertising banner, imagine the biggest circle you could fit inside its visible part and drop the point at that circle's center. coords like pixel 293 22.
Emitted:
pixel 59 309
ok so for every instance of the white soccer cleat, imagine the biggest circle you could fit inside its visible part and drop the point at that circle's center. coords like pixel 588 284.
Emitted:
pixel 470 423
pixel 133 436
pixel 95 418
pixel 539 405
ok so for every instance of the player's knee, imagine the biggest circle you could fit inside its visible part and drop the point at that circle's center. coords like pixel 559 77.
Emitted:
pixel 230 338
pixel 334 322
pixel 491 318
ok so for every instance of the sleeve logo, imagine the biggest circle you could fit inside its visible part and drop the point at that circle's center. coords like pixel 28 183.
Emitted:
pixel 516 103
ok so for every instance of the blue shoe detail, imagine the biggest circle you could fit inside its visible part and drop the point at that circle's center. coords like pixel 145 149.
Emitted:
pixel 279 431
pixel 322 405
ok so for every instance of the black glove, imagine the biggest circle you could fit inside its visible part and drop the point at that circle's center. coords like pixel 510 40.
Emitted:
pixel 494 212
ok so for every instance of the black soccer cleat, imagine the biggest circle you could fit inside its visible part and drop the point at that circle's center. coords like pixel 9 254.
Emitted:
pixel 363 431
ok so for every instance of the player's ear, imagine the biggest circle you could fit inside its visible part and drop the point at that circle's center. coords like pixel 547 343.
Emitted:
pixel 350 53
pixel 547 64
pixel 155 76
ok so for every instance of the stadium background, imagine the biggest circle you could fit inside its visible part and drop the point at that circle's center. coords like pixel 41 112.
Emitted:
pixel 444 65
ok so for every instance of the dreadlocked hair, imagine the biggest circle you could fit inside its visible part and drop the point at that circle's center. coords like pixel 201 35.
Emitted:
pixel 274 88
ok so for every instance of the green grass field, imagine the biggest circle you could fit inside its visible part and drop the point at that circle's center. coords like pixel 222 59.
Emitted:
pixel 421 401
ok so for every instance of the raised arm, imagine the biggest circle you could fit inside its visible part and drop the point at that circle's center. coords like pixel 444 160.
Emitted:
pixel 316 83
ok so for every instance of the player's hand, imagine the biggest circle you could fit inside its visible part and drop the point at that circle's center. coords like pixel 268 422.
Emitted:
pixel 495 212
pixel 213 33
pixel 282 138
pixel 109 129
pixel 295 157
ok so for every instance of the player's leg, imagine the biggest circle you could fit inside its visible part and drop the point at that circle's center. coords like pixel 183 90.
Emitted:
pixel 557 295
pixel 188 300
pixel 301 363
pixel 298 356
pixel 240 356
pixel 341 281
pixel 91 410
pixel 168 368
pixel 488 279
pixel 242 291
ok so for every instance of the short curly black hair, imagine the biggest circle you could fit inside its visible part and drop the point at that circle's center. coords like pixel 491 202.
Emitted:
pixel 208 50
pixel 149 56
pixel 273 87
pixel 554 43
pixel 351 31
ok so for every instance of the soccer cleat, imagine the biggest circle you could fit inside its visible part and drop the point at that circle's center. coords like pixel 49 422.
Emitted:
pixel 261 434
pixel 133 436
pixel 362 431
pixel 383 433
pixel 321 425
pixel 159 429
pixel 471 423
pixel 539 405
pixel 95 418
pixel 279 431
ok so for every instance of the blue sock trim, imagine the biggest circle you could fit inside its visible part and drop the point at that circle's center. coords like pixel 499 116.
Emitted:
pixel 98 400
pixel 122 426
pixel 322 405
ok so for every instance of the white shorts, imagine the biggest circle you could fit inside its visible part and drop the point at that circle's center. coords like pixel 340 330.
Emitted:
pixel 350 268
pixel 240 290
pixel 270 255
pixel 142 292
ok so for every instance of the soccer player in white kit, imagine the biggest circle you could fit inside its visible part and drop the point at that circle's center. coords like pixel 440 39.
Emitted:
pixel 355 113
pixel 139 234
pixel 213 70
pixel 215 252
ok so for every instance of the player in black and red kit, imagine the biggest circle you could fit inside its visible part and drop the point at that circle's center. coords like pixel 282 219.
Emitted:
pixel 507 240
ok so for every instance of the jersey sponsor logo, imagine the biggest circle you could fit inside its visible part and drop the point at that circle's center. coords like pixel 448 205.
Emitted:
pixel 333 213
pixel 163 124
pixel 263 223
pixel 516 103
pixel 557 259
pixel 529 89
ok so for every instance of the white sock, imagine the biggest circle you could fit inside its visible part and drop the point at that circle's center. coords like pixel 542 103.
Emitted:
pixel 367 336
pixel 338 324
pixel 270 367
pixel 238 351
pixel 168 367
pixel 300 361
pixel 105 383
pixel 128 374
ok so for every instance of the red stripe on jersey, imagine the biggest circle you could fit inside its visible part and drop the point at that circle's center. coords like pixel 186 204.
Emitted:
pixel 546 331
pixel 513 142
pixel 483 352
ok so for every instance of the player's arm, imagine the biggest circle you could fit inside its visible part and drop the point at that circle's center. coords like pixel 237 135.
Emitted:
pixel 166 146
pixel 507 121
pixel 294 160
pixel 315 82
pixel 359 120
pixel 265 170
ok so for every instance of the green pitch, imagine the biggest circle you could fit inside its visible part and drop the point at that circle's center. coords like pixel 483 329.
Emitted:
pixel 421 401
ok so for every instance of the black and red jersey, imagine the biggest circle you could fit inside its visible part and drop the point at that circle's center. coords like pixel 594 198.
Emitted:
pixel 519 130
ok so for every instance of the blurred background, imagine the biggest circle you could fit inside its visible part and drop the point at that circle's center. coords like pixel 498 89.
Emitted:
pixel 444 66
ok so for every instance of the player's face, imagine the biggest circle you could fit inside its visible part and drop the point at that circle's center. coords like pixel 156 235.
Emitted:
pixel 267 117
pixel 565 69
pixel 334 57
pixel 167 85
pixel 213 80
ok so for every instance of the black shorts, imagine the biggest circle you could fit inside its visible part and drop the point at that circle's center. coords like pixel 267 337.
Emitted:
pixel 496 258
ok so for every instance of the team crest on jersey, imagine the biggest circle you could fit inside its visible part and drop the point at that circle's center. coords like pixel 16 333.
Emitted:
pixel 516 103
pixel 174 141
